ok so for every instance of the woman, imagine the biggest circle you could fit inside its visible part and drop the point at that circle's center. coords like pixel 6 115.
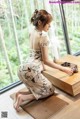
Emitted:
pixel 30 73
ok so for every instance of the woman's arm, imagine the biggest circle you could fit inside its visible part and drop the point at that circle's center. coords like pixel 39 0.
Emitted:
pixel 46 61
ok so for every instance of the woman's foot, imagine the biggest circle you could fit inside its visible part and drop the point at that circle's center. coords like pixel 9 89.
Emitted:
pixel 18 102
pixel 15 107
pixel 21 98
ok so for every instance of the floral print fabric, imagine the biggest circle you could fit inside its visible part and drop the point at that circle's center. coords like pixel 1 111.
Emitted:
pixel 30 73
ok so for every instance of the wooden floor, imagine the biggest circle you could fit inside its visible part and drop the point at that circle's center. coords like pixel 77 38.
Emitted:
pixel 72 111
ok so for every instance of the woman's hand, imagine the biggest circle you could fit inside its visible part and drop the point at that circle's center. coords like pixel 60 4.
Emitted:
pixel 67 70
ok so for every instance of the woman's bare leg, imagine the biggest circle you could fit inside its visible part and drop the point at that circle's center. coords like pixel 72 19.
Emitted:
pixel 21 92
pixel 21 98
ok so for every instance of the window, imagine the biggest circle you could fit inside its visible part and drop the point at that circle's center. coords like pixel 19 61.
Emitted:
pixel 73 25
pixel 14 33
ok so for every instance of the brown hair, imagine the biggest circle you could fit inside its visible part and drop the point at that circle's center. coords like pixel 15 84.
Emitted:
pixel 41 15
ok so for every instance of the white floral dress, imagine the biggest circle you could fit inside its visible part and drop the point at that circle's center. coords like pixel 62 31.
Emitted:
pixel 30 73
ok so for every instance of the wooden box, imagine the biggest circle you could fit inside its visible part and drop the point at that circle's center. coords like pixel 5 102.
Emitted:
pixel 69 84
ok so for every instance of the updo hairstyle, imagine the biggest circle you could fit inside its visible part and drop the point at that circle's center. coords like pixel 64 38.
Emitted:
pixel 41 15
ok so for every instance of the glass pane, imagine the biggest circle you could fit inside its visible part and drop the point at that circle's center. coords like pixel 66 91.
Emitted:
pixel 20 23
pixel 72 14
pixel 57 27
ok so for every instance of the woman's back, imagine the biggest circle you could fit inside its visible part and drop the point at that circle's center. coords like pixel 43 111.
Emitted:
pixel 37 38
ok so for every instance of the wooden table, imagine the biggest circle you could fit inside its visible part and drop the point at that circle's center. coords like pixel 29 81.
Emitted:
pixel 69 84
